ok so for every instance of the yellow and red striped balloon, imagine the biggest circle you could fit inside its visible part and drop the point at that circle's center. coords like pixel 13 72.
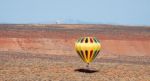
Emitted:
pixel 87 48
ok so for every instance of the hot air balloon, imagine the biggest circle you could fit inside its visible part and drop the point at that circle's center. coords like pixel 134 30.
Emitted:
pixel 87 48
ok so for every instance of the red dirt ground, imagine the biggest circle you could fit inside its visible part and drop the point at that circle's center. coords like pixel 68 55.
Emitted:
pixel 58 39
pixel 46 53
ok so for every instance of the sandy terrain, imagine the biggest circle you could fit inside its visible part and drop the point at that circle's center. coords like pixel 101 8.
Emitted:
pixel 46 53
pixel 15 66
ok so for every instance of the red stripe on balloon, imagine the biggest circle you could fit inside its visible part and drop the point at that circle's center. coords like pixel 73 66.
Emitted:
pixel 91 40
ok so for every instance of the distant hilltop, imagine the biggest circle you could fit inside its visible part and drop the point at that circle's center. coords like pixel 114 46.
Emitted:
pixel 73 21
pixel 71 24
pixel 56 21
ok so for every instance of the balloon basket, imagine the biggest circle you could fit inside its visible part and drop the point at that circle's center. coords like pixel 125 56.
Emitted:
pixel 89 68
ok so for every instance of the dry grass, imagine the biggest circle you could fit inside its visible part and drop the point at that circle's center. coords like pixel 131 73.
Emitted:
pixel 30 67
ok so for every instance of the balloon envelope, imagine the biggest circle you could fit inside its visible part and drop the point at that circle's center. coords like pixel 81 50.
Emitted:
pixel 87 48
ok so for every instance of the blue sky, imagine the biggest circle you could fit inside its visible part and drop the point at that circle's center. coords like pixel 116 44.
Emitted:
pixel 125 12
